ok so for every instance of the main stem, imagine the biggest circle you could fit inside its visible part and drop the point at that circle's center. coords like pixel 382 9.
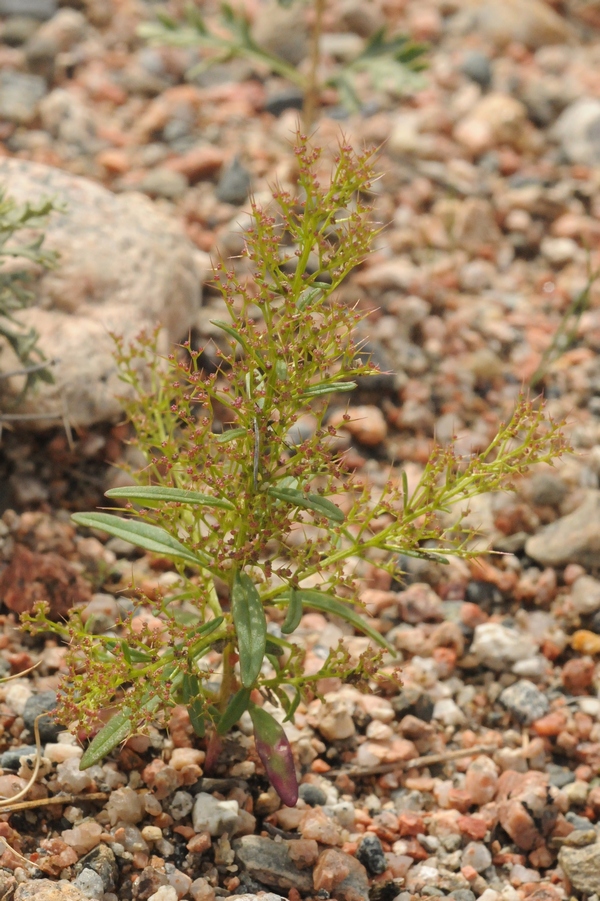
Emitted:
pixel 311 97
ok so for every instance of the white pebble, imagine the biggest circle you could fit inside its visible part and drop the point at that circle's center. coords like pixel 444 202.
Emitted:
pixel 448 713
pixel 164 893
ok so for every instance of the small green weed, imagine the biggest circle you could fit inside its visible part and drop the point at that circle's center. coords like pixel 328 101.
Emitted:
pixel 230 485
pixel 14 293
pixel 389 63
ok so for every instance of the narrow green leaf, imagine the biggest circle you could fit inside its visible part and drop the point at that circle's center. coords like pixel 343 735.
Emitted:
pixel 251 627
pixel 196 714
pixel 141 534
pixel 233 333
pixel 156 493
pixel 328 388
pixel 116 730
pixel 281 370
pixel 133 655
pixel 328 604
pixel 235 708
pixel 230 435
pixel 308 501
pixel 294 613
pixel 289 716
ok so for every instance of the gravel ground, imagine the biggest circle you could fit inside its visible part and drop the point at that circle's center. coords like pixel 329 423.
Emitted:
pixel 480 778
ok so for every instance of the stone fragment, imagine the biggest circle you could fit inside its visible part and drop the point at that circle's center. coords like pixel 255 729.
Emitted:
pixel 315 824
pixel 234 184
pixel 343 876
pixel 20 94
pixel 124 266
pixel 36 9
pixel 574 538
pixel 90 883
pixel 367 424
pixel 529 22
pixel 84 836
pixel 311 794
pixel 49 890
pixel 282 30
pixel 495 119
pixel 43 702
pixel 585 595
pixel 334 720
pixel 481 780
pixel 102 861
pixel 525 701
pixel 125 806
pixel 582 867
pixel 371 854
pixel 476 855
pixel 577 130
pixel 270 863
pixel 214 816
pixel 499 648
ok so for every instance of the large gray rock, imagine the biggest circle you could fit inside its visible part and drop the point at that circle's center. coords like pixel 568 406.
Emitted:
pixel 577 130
pixel 124 266
pixel 574 538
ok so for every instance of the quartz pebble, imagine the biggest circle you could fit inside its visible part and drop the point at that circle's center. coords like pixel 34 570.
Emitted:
pixel 213 816
pixel 366 424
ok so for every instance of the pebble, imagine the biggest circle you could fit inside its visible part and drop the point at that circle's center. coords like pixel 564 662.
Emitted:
pixel 366 424
pixel 37 704
pixel 582 867
pixel 48 890
pixel 371 854
pixel 585 595
pixel 90 884
pixel 499 648
pixel 312 794
pixel 476 855
pixel 573 538
pixel 343 876
pixel 214 816
pixel 20 95
pixel 525 701
pixel 234 184
pixel 270 863
pixel 164 893
pixel 10 760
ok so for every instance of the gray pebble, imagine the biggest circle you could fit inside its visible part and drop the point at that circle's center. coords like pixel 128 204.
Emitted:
pixel 312 794
pixel 20 94
pixel 476 66
pixel 37 9
pixel 371 854
pixel 90 884
pixel 234 184
pixel 41 703
pixel 525 701
pixel 10 760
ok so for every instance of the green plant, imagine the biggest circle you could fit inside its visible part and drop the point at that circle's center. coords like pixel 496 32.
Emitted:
pixel 229 484
pixel 390 63
pixel 14 294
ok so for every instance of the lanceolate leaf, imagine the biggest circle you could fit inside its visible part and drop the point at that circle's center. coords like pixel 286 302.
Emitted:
pixel 251 627
pixel 318 600
pixel 156 493
pixel 328 388
pixel 308 501
pixel 235 708
pixel 294 612
pixel 116 730
pixel 274 750
pixel 143 535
